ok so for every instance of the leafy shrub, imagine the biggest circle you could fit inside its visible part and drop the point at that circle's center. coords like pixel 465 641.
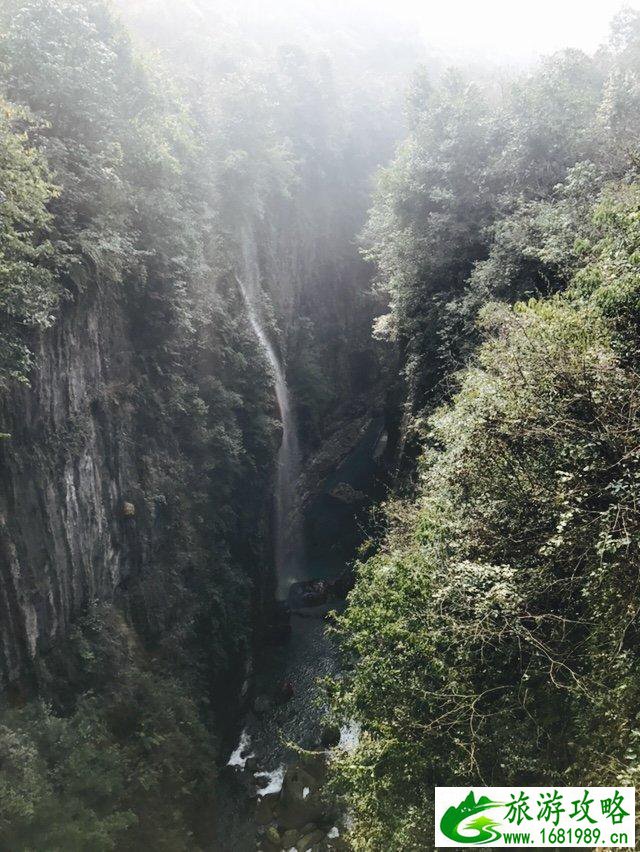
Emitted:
pixel 28 287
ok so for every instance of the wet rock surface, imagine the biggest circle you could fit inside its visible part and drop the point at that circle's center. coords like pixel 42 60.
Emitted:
pixel 300 816
pixel 281 804
pixel 68 483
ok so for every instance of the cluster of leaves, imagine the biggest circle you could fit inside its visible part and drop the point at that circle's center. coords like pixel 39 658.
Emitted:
pixel 131 198
pixel 294 135
pixel 469 190
pixel 494 636
pixel 109 206
pixel 127 766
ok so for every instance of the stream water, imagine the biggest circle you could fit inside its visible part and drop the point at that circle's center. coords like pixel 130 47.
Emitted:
pixel 266 738
pixel 272 728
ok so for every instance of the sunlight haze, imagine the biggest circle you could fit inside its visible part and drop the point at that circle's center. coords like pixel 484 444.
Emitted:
pixel 516 29
pixel 498 28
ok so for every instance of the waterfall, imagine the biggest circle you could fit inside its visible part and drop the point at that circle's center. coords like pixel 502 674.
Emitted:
pixel 289 540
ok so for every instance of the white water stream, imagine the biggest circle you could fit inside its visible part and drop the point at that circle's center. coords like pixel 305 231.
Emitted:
pixel 289 541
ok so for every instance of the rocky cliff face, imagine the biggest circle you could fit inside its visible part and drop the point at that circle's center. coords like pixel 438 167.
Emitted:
pixel 86 512
pixel 66 472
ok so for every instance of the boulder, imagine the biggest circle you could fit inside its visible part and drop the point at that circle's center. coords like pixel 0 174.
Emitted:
pixel 261 779
pixel 308 593
pixel 315 762
pixel 308 841
pixel 273 835
pixel 290 838
pixel 296 780
pixel 299 803
pixel 347 494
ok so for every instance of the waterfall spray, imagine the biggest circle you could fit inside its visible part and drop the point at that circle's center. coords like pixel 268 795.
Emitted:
pixel 289 540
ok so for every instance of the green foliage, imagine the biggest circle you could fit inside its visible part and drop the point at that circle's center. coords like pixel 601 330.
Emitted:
pixel 484 197
pixel 159 183
pixel 129 766
pixel 28 288
pixel 426 227
pixel 138 220
pixel 133 236
pixel 494 637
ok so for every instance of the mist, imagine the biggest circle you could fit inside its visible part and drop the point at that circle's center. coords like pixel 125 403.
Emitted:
pixel 497 31
pixel 319 423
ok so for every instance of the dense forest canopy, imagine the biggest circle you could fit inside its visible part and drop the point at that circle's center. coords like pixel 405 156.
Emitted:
pixel 454 251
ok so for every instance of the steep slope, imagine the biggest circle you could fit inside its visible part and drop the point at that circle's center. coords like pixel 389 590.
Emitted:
pixel 139 431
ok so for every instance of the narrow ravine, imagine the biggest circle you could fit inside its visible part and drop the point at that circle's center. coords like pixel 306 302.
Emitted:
pixel 269 790
pixel 265 760
pixel 319 423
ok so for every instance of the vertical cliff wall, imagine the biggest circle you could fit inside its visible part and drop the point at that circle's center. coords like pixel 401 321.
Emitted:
pixel 68 480
pixel 103 496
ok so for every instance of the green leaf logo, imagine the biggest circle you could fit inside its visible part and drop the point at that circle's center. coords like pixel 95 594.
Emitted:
pixel 483 827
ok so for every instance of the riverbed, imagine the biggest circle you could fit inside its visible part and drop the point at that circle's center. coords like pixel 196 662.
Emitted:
pixel 266 737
